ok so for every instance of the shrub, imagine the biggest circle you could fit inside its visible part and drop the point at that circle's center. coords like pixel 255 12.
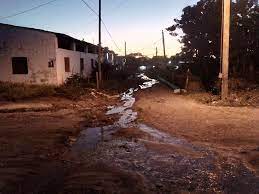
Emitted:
pixel 70 92
pixel 78 81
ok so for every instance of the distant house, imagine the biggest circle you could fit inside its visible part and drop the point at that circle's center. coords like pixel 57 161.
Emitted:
pixel 35 56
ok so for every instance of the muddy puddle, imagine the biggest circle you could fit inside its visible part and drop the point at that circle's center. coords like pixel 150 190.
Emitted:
pixel 157 161
pixel 91 137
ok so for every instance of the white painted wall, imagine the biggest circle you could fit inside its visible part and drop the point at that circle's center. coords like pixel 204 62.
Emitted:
pixel 74 57
pixel 39 47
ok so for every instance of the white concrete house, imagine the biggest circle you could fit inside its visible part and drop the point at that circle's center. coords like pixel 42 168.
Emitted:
pixel 35 56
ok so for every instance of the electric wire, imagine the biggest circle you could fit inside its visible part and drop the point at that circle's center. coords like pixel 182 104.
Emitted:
pixel 105 26
pixel 27 10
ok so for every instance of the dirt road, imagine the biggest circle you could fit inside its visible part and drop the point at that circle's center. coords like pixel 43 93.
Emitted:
pixel 171 149
pixel 227 130
pixel 176 146
pixel 35 134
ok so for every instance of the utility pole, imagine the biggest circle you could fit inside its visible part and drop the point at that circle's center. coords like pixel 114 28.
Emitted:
pixel 100 43
pixel 225 47
pixel 163 38
pixel 125 48
pixel 156 52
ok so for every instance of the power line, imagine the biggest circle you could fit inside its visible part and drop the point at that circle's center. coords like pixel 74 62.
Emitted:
pixel 110 36
pixel 93 2
pixel 153 44
pixel 89 7
pixel 120 4
pixel 157 41
pixel 106 28
pixel 28 10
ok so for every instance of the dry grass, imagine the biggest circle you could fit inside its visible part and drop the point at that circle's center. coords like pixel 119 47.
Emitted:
pixel 14 91
pixel 236 98
pixel 72 89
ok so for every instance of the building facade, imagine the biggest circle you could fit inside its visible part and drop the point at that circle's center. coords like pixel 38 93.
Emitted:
pixel 35 56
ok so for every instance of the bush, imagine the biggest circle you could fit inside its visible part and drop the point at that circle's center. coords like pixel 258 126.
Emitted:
pixel 70 92
pixel 74 87
pixel 78 81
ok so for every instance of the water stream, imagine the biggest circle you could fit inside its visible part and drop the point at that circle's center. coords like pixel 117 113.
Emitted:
pixel 165 163
pixel 90 137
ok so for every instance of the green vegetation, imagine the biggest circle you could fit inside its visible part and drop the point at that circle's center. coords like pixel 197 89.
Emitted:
pixel 199 30
pixel 75 87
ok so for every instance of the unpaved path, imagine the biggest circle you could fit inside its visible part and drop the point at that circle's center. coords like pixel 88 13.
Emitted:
pixel 171 150
pixel 35 134
pixel 177 146
pixel 227 130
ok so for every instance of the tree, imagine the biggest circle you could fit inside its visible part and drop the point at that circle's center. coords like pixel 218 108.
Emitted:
pixel 201 37
pixel 244 38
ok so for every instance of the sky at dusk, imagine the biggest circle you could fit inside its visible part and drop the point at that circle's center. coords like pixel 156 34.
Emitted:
pixel 138 22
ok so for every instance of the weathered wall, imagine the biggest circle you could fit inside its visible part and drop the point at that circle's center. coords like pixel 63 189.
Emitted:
pixel 39 47
pixel 74 63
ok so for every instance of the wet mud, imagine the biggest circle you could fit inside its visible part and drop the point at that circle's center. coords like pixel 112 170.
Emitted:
pixel 132 157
